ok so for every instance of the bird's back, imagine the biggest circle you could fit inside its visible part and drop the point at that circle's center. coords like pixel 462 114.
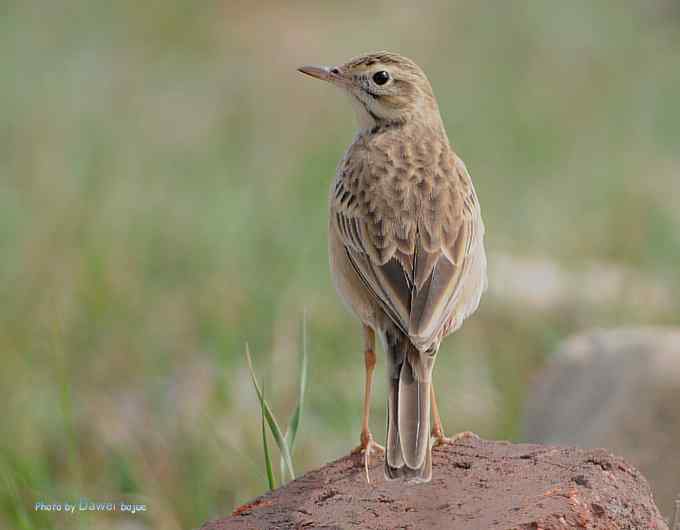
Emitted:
pixel 405 208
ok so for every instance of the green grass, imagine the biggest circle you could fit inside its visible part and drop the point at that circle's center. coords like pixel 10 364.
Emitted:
pixel 284 442
pixel 271 481
pixel 163 180
pixel 277 433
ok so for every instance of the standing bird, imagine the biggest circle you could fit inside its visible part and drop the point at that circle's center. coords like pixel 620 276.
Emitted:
pixel 405 242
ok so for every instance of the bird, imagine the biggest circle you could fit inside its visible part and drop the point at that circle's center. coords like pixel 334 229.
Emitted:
pixel 406 246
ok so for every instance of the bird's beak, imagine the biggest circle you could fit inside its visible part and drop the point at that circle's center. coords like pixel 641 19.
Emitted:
pixel 320 72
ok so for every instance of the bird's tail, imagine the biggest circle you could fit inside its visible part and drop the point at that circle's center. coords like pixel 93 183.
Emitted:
pixel 408 404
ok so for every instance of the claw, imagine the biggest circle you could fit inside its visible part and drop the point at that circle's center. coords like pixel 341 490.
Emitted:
pixel 367 447
pixel 440 439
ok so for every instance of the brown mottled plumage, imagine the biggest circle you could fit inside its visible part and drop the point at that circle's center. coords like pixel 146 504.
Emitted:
pixel 405 241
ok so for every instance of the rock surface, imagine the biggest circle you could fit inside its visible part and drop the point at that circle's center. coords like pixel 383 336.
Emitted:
pixel 476 485
pixel 619 389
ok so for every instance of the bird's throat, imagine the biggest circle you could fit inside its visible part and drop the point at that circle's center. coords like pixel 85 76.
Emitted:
pixel 366 120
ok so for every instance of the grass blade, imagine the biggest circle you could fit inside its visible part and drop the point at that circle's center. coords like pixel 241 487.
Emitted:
pixel 271 420
pixel 267 456
pixel 294 423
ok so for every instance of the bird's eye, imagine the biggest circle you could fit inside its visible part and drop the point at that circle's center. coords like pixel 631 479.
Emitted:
pixel 381 77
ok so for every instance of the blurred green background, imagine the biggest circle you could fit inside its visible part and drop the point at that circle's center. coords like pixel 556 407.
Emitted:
pixel 163 181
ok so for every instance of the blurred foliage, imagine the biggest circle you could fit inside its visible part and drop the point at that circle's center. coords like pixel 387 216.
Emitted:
pixel 163 180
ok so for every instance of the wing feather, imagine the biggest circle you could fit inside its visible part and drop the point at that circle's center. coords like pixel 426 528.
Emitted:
pixel 412 242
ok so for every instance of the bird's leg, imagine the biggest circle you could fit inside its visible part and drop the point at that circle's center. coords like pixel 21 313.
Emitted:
pixel 367 444
pixel 438 431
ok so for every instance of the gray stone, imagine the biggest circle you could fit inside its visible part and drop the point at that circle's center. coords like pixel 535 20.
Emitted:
pixel 618 389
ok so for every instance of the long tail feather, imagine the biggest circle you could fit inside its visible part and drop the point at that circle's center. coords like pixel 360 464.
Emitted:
pixel 408 419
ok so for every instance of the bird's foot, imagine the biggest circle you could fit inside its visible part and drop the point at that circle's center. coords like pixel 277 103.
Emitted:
pixel 367 447
pixel 440 439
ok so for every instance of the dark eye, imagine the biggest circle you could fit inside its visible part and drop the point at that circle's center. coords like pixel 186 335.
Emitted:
pixel 381 77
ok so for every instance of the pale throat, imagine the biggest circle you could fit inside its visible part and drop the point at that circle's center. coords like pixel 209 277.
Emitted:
pixel 368 118
pixel 364 118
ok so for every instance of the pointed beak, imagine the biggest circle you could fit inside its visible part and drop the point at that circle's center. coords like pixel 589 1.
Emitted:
pixel 320 72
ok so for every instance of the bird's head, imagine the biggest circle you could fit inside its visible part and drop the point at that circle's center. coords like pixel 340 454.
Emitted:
pixel 384 88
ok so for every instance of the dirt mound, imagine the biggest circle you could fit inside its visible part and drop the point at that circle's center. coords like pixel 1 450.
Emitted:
pixel 476 484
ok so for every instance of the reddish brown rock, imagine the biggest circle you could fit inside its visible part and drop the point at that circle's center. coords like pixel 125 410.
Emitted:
pixel 476 485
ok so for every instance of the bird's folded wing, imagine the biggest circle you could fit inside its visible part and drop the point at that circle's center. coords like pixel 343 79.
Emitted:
pixel 414 260
pixel 437 300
